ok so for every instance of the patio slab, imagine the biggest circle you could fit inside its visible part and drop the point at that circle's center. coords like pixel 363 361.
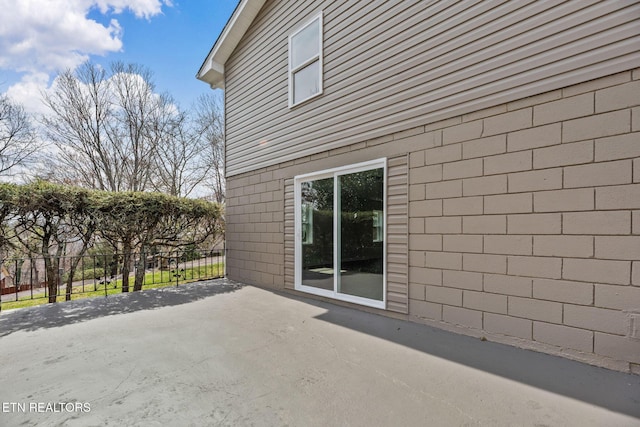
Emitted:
pixel 220 353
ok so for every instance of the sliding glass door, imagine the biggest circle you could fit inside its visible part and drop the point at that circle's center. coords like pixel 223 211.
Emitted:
pixel 316 218
pixel 340 250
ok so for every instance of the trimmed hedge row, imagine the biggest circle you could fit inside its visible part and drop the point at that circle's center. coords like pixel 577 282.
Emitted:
pixel 42 218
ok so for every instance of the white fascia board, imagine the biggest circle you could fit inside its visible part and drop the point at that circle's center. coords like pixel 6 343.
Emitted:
pixel 212 70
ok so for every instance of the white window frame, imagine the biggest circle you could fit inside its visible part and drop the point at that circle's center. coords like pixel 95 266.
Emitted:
pixel 335 173
pixel 311 60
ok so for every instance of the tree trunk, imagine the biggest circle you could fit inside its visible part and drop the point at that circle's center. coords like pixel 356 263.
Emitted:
pixel 126 264
pixel 140 270
pixel 51 268
pixel 72 272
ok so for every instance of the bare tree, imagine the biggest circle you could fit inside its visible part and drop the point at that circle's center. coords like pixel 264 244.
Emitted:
pixel 143 119
pixel 107 126
pixel 209 125
pixel 81 109
pixel 181 161
pixel 18 143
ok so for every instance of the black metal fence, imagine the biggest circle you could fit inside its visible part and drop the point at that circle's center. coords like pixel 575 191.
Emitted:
pixel 28 281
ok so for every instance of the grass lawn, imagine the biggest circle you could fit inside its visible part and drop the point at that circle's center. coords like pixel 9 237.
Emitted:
pixel 156 279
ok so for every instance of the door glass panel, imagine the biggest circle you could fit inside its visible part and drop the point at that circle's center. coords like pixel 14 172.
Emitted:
pixel 361 239
pixel 316 223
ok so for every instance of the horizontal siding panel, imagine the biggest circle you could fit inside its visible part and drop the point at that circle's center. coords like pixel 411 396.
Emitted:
pixel 467 84
pixel 439 54
pixel 468 68
pixel 400 121
pixel 397 240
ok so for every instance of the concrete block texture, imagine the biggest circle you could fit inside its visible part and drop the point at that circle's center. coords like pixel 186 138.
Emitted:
pixel 549 223
pixel 617 297
pixel 462 316
pixel 563 291
pixel 596 270
pixel 598 174
pixel 462 280
pixel 562 155
pixel 443 295
pixel 597 223
pixel 595 319
pixel 485 302
pixel 462 243
pixel 510 162
pixel 541 136
pixel 486 185
pixel 522 219
pixel 618 247
pixel 548 179
pixel 508 203
pixel 508 245
pixel 426 310
pixel 508 122
pixel 623 146
pixel 618 197
pixel 484 147
pixel 618 97
pixel 485 224
pixel 563 246
pixel 508 285
pixel 462 132
pixel 547 267
pixel 527 308
pixel 507 325
pixel 597 126
pixel 462 169
pixel 617 347
pixel 563 336
pixel 563 109
pixel 581 199
pixel 484 263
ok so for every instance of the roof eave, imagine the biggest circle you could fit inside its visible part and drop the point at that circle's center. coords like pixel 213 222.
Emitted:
pixel 212 70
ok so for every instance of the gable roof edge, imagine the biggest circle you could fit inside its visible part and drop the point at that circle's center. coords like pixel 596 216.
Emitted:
pixel 212 69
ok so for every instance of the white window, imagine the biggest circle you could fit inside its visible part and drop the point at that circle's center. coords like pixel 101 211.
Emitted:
pixel 339 258
pixel 305 61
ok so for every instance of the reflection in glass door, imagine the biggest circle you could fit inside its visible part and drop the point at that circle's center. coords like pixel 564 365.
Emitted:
pixel 360 238
pixel 316 220
pixel 341 238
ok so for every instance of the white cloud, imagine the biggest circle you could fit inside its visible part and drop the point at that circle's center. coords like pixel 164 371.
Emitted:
pixel 39 37
pixel 27 92
pixel 141 8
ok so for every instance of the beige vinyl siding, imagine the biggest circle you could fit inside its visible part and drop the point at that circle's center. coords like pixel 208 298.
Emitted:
pixel 397 234
pixel 289 234
pixel 393 65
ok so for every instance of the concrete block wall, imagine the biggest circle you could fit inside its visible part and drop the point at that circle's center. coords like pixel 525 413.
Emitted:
pixel 255 229
pixel 524 221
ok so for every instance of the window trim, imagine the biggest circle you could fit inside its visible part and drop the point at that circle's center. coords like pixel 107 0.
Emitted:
pixel 335 173
pixel 318 57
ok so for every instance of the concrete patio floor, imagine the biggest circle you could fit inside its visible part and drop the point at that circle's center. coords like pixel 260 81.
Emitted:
pixel 219 353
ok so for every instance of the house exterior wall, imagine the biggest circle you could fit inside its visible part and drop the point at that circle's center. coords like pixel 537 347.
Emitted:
pixel 394 65
pixel 522 220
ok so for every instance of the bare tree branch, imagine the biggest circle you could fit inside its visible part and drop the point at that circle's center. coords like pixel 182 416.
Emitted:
pixel 18 142
pixel 209 126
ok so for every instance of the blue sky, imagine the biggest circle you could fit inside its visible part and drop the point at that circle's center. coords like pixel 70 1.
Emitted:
pixel 170 37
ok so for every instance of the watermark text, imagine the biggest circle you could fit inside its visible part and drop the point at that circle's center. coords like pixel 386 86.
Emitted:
pixel 45 407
